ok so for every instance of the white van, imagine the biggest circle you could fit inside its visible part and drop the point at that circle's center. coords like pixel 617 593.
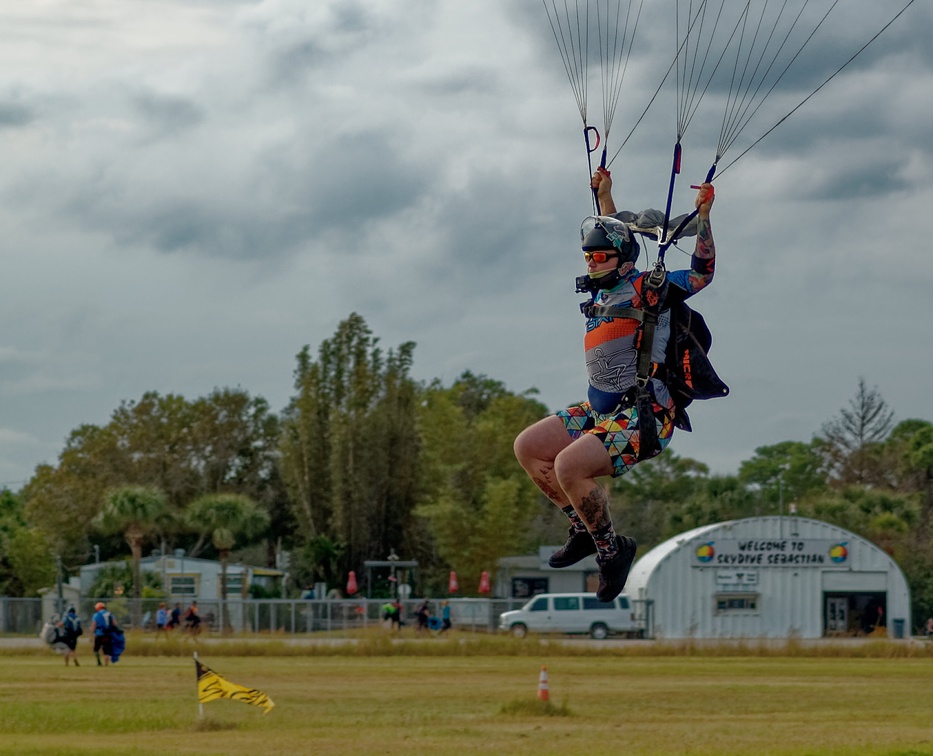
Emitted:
pixel 571 613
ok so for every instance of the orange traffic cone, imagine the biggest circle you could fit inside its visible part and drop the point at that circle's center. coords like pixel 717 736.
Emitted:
pixel 543 691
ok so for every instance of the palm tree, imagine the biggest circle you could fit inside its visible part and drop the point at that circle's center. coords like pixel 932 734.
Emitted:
pixel 134 511
pixel 224 516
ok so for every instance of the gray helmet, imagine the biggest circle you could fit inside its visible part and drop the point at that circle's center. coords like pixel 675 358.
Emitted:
pixel 605 232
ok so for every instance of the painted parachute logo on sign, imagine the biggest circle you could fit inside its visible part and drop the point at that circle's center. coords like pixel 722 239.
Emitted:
pixel 838 552
pixel 706 552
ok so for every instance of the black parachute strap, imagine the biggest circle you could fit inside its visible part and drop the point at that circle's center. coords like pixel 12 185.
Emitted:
pixel 653 293
pixel 603 311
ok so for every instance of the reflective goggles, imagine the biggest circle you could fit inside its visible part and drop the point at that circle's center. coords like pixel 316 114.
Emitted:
pixel 599 255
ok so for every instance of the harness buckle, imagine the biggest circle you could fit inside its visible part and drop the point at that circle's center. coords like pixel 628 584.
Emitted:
pixel 656 277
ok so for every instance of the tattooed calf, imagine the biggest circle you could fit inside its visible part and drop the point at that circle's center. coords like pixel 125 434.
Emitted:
pixel 549 491
pixel 594 509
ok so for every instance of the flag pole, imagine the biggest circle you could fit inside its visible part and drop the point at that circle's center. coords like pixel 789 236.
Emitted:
pixel 200 705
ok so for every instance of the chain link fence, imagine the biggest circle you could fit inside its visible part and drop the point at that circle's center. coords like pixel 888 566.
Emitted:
pixel 20 616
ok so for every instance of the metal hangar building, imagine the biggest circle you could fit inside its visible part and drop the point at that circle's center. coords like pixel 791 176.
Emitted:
pixel 770 577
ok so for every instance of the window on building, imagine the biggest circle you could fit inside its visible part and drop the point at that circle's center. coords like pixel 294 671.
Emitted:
pixel 234 583
pixel 526 587
pixel 566 603
pixel 183 585
pixel 736 603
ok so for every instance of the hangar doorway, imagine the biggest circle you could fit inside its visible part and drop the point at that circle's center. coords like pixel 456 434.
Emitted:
pixel 850 613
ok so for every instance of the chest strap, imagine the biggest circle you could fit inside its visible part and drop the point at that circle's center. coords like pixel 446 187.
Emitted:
pixel 606 311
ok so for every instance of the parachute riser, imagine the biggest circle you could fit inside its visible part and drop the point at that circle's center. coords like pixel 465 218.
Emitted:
pixel 675 170
pixel 666 239
pixel 590 149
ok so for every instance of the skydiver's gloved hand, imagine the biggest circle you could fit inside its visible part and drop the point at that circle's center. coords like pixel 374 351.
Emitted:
pixel 704 200
pixel 602 183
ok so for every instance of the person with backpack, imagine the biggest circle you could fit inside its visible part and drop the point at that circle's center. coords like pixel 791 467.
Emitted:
pixel 629 415
pixel 102 624
pixel 72 630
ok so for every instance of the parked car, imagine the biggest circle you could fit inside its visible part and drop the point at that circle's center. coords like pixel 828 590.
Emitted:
pixel 571 613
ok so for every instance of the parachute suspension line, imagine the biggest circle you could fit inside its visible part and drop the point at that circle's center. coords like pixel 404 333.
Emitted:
pixel 688 84
pixel 689 74
pixel 825 82
pixel 693 89
pixel 615 59
pixel 731 102
pixel 740 117
pixel 644 112
pixel 572 48
pixel 571 33
pixel 657 91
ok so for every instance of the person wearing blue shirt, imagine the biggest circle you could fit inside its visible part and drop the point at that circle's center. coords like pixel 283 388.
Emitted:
pixel 102 624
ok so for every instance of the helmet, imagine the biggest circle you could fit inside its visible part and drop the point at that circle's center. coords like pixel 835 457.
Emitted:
pixel 605 232
pixel 99 605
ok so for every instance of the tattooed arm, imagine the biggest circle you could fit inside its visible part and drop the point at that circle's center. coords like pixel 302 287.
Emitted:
pixel 703 262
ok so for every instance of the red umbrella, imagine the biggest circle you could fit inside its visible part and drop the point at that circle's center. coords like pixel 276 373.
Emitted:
pixel 484 583
pixel 453 586
pixel 351 583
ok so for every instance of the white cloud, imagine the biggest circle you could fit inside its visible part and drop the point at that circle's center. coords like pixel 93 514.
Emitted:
pixel 193 191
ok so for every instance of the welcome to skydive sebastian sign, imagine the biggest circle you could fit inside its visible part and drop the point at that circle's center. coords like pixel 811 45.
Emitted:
pixel 771 552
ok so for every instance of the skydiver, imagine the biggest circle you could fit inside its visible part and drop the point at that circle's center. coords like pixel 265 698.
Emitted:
pixel 564 453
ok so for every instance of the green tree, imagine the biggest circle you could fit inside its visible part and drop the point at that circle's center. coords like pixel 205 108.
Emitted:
pixel 235 439
pixel 225 440
pixel 479 504
pixel 791 470
pixel 909 460
pixel 117 578
pixel 350 448
pixel 224 517
pixel 910 455
pixel 852 440
pixel 62 500
pixel 32 563
pixel 646 499
pixel 134 511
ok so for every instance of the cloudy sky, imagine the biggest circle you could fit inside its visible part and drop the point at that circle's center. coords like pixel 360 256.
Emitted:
pixel 193 190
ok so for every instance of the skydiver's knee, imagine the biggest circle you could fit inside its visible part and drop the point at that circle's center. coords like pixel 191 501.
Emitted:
pixel 522 447
pixel 537 444
pixel 584 459
pixel 566 468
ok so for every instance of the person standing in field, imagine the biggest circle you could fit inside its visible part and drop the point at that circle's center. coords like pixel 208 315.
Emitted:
pixel 102 626
pixel 445 617
pixel 71 626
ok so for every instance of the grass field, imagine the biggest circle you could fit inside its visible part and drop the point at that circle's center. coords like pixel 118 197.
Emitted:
pixel 443 697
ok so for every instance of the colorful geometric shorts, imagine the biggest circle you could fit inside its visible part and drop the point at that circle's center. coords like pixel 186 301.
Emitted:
pixel 618 432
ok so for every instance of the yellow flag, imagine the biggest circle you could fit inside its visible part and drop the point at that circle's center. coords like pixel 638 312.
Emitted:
pixel 212 686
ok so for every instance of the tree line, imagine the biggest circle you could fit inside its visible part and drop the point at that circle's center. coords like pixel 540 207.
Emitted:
pixel 364 461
